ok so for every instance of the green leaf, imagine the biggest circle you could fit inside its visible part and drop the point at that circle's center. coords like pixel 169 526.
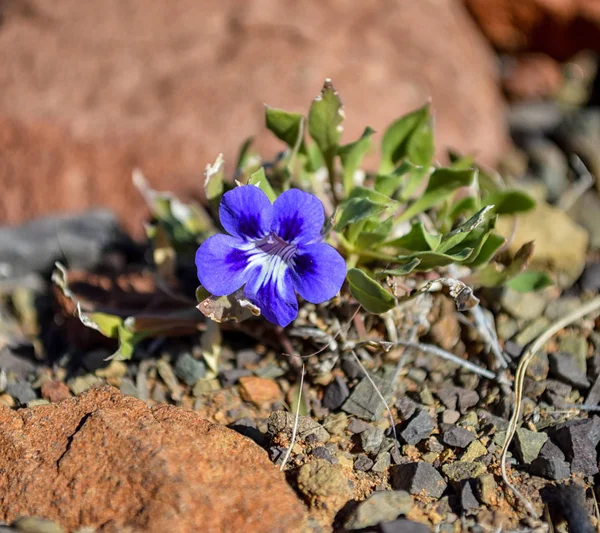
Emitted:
pixel 509 202
pixel 418 239
pixel 460 233
pixel 106 324
pixel 468 204
pixel 388 184
pixel 414 179
pixel 244 153
pixel 530 281
pixel 442 183
pixel 420 147
pixel 351 156
pixel 371 194
pixel 286 126
pixel 430 260
pixel 395 142
pixel 260 180
pixel 458 161
pixel 213 183
pixel 373 233
pixel 370 294
pixel 325 121
pixel 404 269
pixel 357 209
pixel 495 275
pixel 295 396
pixel 487 251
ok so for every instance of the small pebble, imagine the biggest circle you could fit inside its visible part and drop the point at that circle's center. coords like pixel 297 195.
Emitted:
pixel 229 378
pixel 7 399
pixel 245 358
pixel 364 403
pixel 461 470
pixel 406 407
pixel 128 388
pixel 417 428
pixel 381 506
pixel 189 370
pixel 550 468
pixel 457 437
pixel 321 452
pixel 95 360
pixel 475 450
pixel 371 439
pixel 417 478
pixel 468 501
pixel 363 463
pixel 357 425
pixel 115 369
pixel 528 444
pixel 382 461
pixel 565 366
pixel 55 391
pixel 336 423
pixel 487 489
pixel 166 373
pixel 402 525
pixel 578 439
pixel 259 391
pixel 283 421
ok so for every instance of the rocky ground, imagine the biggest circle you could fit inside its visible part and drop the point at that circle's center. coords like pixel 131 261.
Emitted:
pixel 190 433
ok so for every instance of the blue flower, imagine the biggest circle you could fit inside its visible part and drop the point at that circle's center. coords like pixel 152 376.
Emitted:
pixel 274 249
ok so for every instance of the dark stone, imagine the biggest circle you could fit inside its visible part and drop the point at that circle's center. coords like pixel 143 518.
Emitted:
pixel 466 399
pixel 277 453
pixel 593 397
pixel 447 395
pixel 244 358
pixel 311 438
pixel 402 525
pixel 229 378
pixel 83 239
pixel 551 451
pixel 322 452
pixel 95 360
pixel 590 279
pixel 363 463
pixel 490 421
pixel 417 478
pixel 565 366
pixel 550 468
pixel 458 398
pixel 528 444
pixel 365 403
pixel 417 428
pixel 578 440
pixel 468 501
pixel 406 407
pixel 351 368
pixel 336 394
pixel 457 436
pixel 357 425
pixel 21 391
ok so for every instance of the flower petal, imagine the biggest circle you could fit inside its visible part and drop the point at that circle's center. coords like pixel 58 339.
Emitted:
pixel 223 264
pixel 318 272
pixel 270 287
pixel 298 217
pixel 246 212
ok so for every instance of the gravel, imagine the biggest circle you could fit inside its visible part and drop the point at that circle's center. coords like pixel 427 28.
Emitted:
pixel 419 427
pixel 418 478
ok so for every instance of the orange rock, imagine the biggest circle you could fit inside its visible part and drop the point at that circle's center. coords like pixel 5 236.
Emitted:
pixel 107 461
pixel 54 391
pixel 259 391
pixel 89 92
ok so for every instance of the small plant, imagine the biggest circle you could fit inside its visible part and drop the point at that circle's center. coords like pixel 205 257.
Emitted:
pixel 312 218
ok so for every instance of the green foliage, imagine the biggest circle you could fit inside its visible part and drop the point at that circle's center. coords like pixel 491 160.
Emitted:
pixel 371 295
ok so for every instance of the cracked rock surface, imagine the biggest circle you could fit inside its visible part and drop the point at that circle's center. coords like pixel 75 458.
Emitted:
pixel 107 461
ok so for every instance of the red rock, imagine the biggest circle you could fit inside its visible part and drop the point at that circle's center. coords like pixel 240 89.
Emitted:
pixel 260 391
pixel 107 461
pixel 55 391
pixel 89 92
pixel 532 76
pixel 559 28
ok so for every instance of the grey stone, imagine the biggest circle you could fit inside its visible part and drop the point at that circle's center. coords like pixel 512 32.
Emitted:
pixel 418 478
pixel 406 407
pixel 19 365
pixel 322 452
pixel 357 425
pixel 189 370
pixel 128 388
pixel 351 368
pixel 590 279
pixel 229 378
pixel 528 444
pixel 549 164
pixel 244 358
pixel 365 403
pixel 21 391
pixel 550 468
pixel 83 238
pixel 486 489
pixel 527 306
pixel 403 526
pixel 593 396
pixel 383 460
pixel 371 439
pixel 95 359
pixel 457 398
pixel 562 306
pixel 450 416
pixel 381 506
pixel 457 437
pixel 576 346
pixel 532 331
pixel 417 428
pixel 468 501
pixel 283 421
pixel 586 212
pixel 336 394
pixel 363 463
